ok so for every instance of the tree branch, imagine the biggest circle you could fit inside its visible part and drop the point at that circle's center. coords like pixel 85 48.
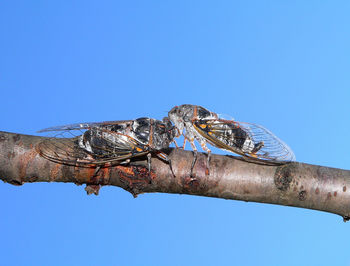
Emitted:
pixel 293 184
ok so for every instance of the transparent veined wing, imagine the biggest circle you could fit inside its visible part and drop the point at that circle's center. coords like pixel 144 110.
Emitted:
pixel 91 144
pixel 82 126
pixel 274 148
pixel 247 139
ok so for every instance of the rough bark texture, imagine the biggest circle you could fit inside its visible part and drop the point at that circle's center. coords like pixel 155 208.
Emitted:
pixel 293 184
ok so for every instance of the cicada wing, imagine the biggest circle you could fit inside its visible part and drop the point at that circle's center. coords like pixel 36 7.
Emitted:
pixel 77 126
pixel 85 125
pixel 86 150
pixel 65 151
pixel 273 147
pixel 103 143
pixel 268 147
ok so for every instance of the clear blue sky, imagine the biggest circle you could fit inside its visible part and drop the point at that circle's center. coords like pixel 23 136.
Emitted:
pixel 282 64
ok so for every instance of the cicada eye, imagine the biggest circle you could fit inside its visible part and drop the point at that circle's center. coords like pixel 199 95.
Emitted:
pixel 174 111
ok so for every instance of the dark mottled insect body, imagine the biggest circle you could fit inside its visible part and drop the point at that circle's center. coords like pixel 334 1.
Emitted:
pixel 108 143
pixel 252 141
pixel 227 132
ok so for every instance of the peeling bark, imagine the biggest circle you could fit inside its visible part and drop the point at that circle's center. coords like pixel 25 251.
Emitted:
pixel 293 184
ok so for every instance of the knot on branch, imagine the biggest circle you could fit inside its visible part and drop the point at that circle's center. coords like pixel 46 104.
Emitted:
pixel 284 175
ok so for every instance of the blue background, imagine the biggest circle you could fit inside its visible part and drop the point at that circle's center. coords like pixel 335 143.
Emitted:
pixel 281 64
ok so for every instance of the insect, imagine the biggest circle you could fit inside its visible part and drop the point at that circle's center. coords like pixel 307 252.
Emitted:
pixel 252 141
pixel 108 143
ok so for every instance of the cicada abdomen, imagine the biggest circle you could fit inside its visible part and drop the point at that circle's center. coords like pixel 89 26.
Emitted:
pixel 247 139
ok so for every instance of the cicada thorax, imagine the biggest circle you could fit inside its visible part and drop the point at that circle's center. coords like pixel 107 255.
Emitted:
pixel 184 116
pixel 187 113
pixel 163 133
pixel 154 134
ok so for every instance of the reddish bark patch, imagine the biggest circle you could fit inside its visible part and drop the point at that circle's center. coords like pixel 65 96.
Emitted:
pixel 91 175
pixel 54 172
pixel 25 159
pixel 98 176
pixel 134 178
pixel 105 173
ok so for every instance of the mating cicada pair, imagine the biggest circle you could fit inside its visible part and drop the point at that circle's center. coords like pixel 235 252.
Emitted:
pixel 118 142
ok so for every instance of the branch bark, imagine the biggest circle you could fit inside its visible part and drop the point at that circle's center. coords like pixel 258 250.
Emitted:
pixel 293 184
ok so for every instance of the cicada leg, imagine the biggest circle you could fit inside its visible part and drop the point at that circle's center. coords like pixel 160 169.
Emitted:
pixel 165 157
pixel 125 162
pixel 195 154
pixel 205 148
pixel 149 156
pixel 177 146
pixel 184 144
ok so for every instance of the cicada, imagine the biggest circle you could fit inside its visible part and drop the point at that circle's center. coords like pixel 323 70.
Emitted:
pixel 252 141
pixel 108 143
